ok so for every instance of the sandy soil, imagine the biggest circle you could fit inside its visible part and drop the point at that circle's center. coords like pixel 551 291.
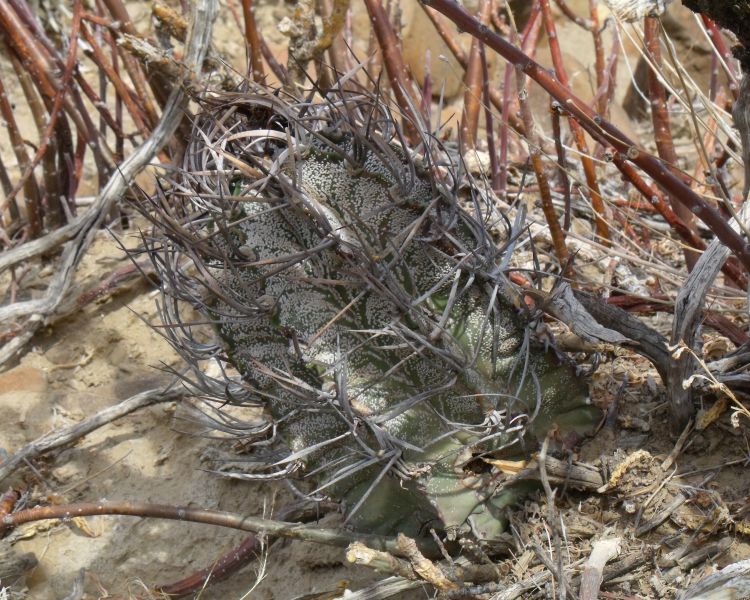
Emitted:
pixel 104 354
pixel 108 352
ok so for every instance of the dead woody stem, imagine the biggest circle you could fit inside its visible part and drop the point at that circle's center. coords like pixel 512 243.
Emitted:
pixel 600 129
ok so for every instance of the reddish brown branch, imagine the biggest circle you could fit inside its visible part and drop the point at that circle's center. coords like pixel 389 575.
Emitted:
pixel 254 59
pixel 716 321
pixel 600 129
pixel 30 44
pixel 209 517
pixel 29 50
pixel 530 33
pixel 231 562
pixel 535 156
pixel 506 104
pixel 447 37
pixel 662 129
pixel 101 107
pixel 99 20
pixel 239 556
pixel 688 235
pixel 113 282
pixel 278 69
pixel 599 55
pixel 606 90
pixel 497 100
pixel 53 58
pixel 562 168
pixel 27 39
pixel 6 186
pixel 568 12
pixel 120 14
pixel 587 162
pixel 122 90
pixel 51 208
pixel 398 73
pixel 726 328
pixel 473 84
pixel 57 104
pixel 491 148
pixel 32 192
pixel 718 41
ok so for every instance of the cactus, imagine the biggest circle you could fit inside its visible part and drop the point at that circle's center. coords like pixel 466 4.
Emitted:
pixel 364 308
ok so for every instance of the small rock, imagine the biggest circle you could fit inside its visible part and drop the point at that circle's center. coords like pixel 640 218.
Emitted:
pixel 23 379
pixel 13 566
pixel 66 472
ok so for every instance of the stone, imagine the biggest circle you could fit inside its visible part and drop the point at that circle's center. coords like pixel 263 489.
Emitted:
pixel 23 379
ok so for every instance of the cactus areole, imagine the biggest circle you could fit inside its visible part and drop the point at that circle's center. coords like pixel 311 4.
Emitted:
pixel 364 306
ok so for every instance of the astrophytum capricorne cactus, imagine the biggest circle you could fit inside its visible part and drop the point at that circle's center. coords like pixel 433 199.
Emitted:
pixel 365 310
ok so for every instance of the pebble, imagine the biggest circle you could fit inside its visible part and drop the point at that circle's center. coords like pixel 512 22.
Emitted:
pixel 23 379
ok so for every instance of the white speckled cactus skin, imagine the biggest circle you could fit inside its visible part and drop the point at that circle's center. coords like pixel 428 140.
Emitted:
pixel 366 311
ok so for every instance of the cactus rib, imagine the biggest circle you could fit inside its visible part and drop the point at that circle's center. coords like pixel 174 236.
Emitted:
pixel 365 308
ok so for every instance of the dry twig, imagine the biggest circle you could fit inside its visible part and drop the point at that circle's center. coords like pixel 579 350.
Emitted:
pixel 316 534
pixel 593 573
pixel 600 129
pixel 62 437
pixel 39 310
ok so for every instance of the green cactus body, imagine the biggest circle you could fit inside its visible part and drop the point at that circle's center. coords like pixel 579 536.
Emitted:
pixel 363 309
